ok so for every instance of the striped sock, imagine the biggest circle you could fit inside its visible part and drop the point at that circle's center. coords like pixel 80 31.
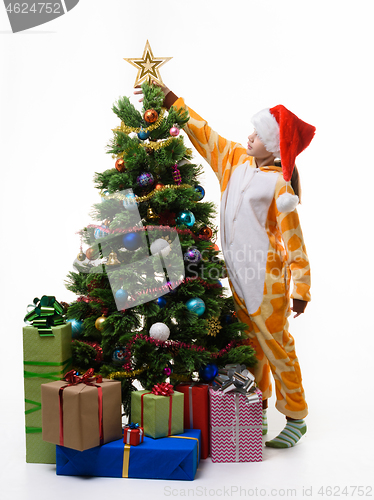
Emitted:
pixel 264 422
pixel 290 435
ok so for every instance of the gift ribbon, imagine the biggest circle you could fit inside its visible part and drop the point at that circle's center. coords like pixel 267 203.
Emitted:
pixel 87 378
pixel 48 376
pixel 47 312
pixel 127 448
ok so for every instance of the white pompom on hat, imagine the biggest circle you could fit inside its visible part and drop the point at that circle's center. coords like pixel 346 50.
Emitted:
pixel 285 135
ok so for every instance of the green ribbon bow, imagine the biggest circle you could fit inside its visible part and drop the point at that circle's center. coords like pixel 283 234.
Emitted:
pixel 47 313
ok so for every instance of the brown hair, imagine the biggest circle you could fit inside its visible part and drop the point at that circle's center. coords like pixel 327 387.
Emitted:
pixel 295 179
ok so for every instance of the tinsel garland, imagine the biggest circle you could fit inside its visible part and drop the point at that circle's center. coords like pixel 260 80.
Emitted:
pixel 127 130
pixel 171 344
pixel 127 374
pixel 96 346
pixel 139 199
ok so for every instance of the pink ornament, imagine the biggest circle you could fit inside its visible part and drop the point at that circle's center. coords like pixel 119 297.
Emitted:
pixel 167 371
pixel 174 131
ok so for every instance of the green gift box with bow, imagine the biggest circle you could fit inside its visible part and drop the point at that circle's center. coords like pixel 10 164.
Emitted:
pixel 47 357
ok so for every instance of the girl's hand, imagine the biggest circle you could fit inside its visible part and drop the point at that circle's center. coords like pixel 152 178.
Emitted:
pixel 164 89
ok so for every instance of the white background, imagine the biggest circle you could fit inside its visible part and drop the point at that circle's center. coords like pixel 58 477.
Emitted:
pixel 230 59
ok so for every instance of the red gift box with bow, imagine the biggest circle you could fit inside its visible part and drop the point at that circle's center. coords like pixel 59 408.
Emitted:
pixel 81 412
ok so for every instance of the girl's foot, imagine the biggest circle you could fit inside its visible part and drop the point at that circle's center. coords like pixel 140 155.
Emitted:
pixel 290 435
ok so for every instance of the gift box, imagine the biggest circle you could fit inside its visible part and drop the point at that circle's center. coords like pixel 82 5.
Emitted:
pixel 46 358
pixel 196 411
pixel 133 434
pixel 81 412
pixel 160 416
pixel 235 426
pixel 172 457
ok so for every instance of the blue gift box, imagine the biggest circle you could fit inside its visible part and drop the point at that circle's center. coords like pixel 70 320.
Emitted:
pixel 172 457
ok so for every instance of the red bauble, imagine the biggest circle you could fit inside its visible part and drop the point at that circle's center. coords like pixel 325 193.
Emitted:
pixel 120 165
pixel 150 116
pixel 159 185
pixel 91 254
pixel 206 233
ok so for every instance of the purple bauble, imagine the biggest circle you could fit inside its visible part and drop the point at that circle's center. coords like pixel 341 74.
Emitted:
pixel 192 255
pixel 167 371
pixel 145 179
pixel 174 131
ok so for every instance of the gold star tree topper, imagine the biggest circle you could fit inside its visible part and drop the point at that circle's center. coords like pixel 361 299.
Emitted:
pixel 148 66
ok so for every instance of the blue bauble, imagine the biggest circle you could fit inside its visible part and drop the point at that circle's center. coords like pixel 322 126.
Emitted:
pixel 145 179
pixel 76 327
pixel 132 241
pixel 196 305
pixel 161 302
pixel 208 372
pixel 186 218
pixel 118 356
pixel 130 202
pixel 143 135
pixel 121 295
pixel 201 191
pixel 192 255
pixel 99 233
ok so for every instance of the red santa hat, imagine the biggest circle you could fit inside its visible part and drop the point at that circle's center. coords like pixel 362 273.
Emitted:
pixel 283 134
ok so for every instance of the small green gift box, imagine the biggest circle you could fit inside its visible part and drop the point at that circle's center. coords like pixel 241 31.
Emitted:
pixel 159 415
pixel 46 358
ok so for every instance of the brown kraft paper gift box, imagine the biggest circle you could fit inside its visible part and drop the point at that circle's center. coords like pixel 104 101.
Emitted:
pixel 80 411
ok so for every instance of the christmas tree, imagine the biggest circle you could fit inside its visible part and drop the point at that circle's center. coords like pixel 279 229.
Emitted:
pixel 150 303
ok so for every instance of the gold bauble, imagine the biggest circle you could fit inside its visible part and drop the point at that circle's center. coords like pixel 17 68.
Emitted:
pixel 81 257
pixel 99 323
pixel 112 259
pixel 92 254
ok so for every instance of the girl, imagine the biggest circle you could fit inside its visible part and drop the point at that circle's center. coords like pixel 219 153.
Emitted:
pixel 263 246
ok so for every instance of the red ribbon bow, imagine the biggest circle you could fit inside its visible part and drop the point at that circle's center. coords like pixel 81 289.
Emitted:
pixel 163 389
pixel 87 378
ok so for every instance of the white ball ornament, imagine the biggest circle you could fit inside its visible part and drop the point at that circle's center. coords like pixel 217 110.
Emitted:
pixel 159 331
pixel 287 202
pixel 160 246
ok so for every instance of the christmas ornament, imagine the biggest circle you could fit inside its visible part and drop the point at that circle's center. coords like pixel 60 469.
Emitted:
pixel 99 323
pixel 100 233
pixel 159 331
pixel 81 257
pixel 159 185
pixel 106 222
pixel 160 246
pixel 121 295
pixel 151 214
pixel 186 218
pixel 132 241
pixel 104 194
pixel 174 131
pixel 206 233
pixel 92 254
pixel 214 326
pixel 167 371
pixel 120 165
pixel 177 175
pixel 196 305
pixel 150 116
pixel 199 189
pixel 161 302
pixel 192 255
pixel 145 179
pixel 118 355
pixel 143 134
pixel 129 202
pixel 208 372
pixel 76 327
pixel 112 260
pixel 148 66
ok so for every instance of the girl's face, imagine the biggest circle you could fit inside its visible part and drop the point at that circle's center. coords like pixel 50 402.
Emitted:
pixel 256 148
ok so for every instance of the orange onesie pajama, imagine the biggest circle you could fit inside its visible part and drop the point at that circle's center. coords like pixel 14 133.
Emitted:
pixel 263 248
